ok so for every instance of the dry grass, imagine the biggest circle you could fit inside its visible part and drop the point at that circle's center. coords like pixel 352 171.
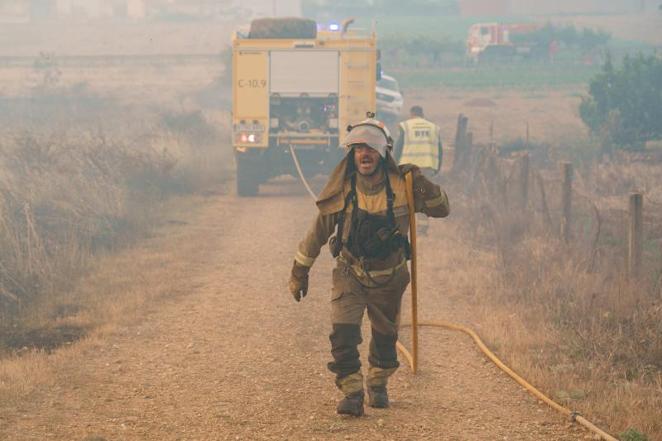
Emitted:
pixel 88 157
pixel 70 189
pixel 111 296
pixel 566 315
pixel 551 114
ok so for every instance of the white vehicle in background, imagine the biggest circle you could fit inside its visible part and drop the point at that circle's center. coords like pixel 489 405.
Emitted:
pixel 389 99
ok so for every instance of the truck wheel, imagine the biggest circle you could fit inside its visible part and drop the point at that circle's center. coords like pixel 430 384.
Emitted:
pixel 247 179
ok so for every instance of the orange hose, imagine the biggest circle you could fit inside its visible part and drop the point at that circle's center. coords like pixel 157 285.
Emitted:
pixel 526 385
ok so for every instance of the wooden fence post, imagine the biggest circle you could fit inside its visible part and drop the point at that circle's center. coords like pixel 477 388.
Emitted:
pixel 524 180
pixel 460 154
pixel 547 218
pixel 635 234
pixel 566 202
pixel 468 150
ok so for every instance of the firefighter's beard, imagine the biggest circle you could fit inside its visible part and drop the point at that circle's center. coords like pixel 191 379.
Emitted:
pixel 371 174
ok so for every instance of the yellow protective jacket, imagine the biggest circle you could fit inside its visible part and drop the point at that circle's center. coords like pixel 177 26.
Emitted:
pixel 373 200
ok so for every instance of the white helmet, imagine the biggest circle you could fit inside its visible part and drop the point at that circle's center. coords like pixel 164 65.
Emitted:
pixel 371 132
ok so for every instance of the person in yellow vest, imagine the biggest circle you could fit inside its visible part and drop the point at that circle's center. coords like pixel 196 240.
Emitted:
pixel 420 144
pixel 364 204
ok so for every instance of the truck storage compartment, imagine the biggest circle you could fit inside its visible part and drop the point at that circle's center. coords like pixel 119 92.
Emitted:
pixel 295 72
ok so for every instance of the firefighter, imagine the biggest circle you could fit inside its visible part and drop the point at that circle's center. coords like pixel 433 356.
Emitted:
pixel 364 207
pixel 419 143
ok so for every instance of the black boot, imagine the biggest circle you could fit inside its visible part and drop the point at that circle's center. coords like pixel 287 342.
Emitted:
pixel 352 404
pixel 378 397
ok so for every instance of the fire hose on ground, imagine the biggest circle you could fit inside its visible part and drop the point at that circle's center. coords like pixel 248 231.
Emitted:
pixel 412 357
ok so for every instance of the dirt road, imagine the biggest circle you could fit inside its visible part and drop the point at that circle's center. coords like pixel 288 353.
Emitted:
pixel 226 354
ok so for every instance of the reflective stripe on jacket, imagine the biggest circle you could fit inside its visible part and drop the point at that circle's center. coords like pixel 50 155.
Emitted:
pixel 421 143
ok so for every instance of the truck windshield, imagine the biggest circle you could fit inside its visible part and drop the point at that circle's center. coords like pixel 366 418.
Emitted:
pixel 388 83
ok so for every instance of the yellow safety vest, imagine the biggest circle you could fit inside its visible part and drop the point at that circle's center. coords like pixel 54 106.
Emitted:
pixel 421 143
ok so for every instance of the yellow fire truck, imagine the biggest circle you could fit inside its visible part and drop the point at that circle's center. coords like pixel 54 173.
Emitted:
pixel 295 86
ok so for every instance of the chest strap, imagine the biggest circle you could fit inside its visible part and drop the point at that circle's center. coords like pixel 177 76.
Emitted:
pixel 340 225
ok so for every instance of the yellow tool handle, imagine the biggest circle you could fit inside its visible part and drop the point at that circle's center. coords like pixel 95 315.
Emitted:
pixel 409 185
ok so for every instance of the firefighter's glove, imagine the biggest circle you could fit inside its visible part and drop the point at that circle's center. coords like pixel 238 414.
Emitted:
pixel 424 187
pixel 299 281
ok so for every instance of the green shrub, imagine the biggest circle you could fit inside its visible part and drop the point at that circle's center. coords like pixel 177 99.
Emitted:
pixel 586 40
pixel 624 106
pixel 632 435
pixel 420 50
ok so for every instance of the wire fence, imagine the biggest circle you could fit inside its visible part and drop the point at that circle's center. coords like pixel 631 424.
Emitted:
pixel 512 199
